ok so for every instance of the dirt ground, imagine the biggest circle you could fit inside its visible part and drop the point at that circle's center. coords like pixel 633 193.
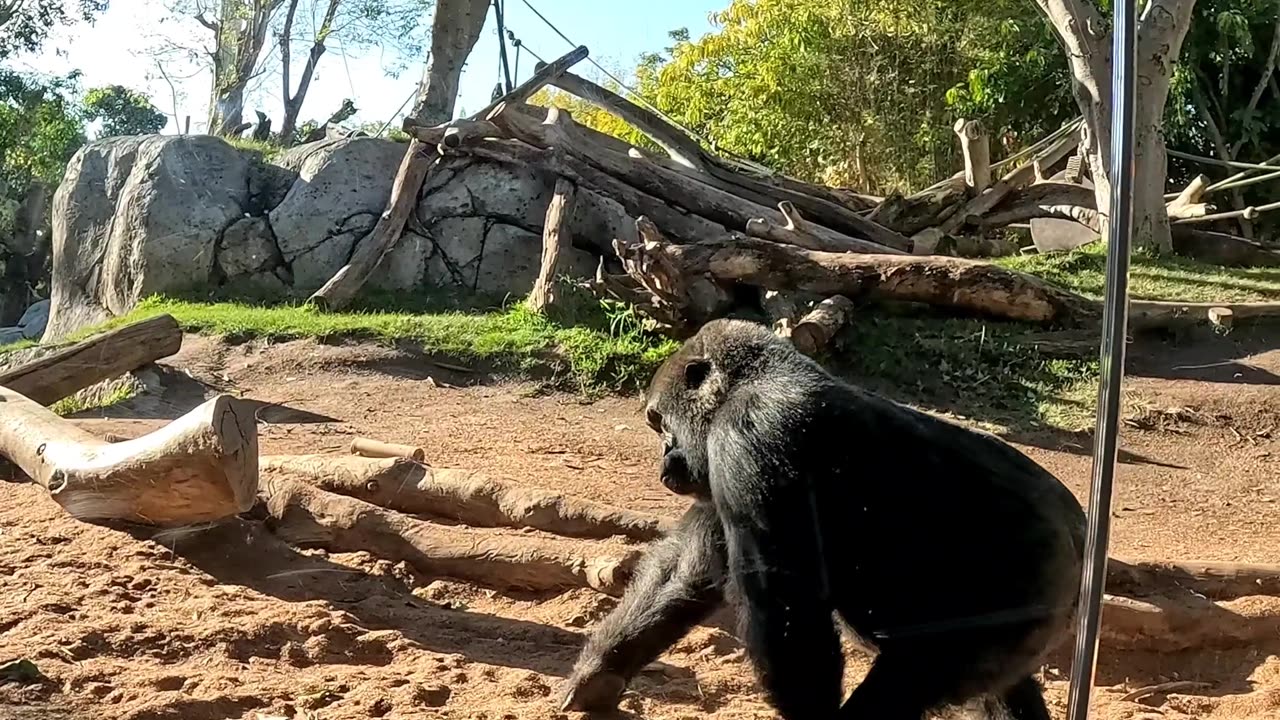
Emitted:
pixel 231 623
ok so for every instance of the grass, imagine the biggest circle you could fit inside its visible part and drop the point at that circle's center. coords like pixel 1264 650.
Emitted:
pixel 590 348
pixel 103 395
pixel 1152 278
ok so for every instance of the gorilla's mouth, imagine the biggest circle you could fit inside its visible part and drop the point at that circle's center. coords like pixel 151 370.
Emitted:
pixel 675 471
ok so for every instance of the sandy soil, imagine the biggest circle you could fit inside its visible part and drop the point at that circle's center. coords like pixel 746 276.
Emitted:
pixel 230 623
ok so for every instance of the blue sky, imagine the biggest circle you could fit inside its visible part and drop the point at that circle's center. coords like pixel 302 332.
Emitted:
pixel 114 50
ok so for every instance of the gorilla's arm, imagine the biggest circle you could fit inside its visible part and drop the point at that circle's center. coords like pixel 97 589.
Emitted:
pixel 677 585
pixel 777 572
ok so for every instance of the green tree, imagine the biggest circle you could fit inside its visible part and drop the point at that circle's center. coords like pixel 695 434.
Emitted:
pixel 25 24
pixel 123 111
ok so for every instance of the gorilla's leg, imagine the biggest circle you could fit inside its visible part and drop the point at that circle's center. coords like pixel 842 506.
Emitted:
pixel 1025 701
pixel 897 688
pixel 676 586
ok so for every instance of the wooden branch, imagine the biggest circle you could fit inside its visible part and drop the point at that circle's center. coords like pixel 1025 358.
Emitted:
pixel 962 285
pixel 1087 217
pixel 88 362
pixel 976 148
pixel 1248 213
pixel 784 308
pixel 1268 69
pixel 365 447
pixel 1157 314
pixel 307 516
pixel 679 146
pixel 816 330
pixel 418 161
pixel 468 497
pixel 413 171
pixel 543 74
pixel 802 233
pixel 555 239
pixel 926 209
pixel 675 188
pixel 201 467
pixel 1014 180
pixel 1190 202
pixel 1221 248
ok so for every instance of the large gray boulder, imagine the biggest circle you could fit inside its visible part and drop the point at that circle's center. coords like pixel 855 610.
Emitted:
pixel 340 184
pixel 136 216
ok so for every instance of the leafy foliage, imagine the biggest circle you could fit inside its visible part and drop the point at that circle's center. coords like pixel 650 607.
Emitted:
pixel 25 25
pixel 123 111
pixel 40 127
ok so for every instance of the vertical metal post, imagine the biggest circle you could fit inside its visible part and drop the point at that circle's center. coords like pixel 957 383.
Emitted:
pixel 1114 331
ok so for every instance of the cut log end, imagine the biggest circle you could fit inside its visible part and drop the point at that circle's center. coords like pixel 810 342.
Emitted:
pixel 815 330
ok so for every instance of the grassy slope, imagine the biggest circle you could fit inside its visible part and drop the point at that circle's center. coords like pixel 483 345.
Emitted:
pixel 971 368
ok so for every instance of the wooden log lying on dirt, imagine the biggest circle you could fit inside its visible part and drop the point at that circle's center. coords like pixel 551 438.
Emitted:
pixel 198 468
pixel 1163 314
pixel 1217 580
pixel 462 495
pixel 366 447
pixel 307 516
pixel 962 285
pixel 1168 625
pixel 555 240
pixel 64 372
pixel 815 330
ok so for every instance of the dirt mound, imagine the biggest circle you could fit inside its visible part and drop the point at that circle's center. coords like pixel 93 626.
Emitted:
pixel 229 622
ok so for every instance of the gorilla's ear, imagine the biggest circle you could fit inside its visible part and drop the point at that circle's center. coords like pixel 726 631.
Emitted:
pixel 696 372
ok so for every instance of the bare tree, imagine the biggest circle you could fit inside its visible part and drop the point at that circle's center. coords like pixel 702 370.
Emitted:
pixel 240 32
pixel 454 32
pixel 1086 38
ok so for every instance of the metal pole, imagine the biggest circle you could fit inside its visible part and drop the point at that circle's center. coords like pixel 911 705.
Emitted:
pixel 1114 330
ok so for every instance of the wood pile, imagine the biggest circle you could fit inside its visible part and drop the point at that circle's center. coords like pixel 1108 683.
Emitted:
pixel 204 468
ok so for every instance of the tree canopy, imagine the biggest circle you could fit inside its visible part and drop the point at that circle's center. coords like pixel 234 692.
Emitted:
pixel 123 111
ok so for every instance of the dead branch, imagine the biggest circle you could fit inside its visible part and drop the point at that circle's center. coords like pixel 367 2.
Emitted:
pixel 976 148
pixel 307 516
pixel 1190 202
pixel 461 495
pixel 376 449
pixel 802 233
pixel 555 239
pixel 88 362
pixel 198 468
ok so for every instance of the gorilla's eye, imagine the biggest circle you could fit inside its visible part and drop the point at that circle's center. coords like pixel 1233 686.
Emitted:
pixel 654 419
pixel 696 372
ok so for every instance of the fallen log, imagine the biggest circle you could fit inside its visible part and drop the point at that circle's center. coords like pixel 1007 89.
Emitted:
pixel 64 372
pixel 909 215
pixel 307 516
pixel 976 148
pixel 377 449
pixel 784 308
pixel 198 468
pixel 555 240
pixel 1168 625
pixel 1216 580
pixel 815 330
pixel 1221 248
pixel 462 495
pixel 963 285
pixel 1164 314
pixel 410 177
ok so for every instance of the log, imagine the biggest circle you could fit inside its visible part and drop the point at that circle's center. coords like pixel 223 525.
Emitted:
pixel 555 240
pixel 963 285
pixel 463 496
pixel 310 517
pixel 199 468
pixel 910 215
pixel 784 308
pixel 1166 314
pixel 366 447
pixel 1189 203
pixel 802 233
pixel 1167 625
pixel 89 362
pixel 976 148
pixel 1087 217
pixel 1216 580
pixel 1221 248
pixel 814 331
pixel 681 189
pixel 414 168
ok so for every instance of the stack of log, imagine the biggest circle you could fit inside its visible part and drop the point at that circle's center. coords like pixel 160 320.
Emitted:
pixel 204 467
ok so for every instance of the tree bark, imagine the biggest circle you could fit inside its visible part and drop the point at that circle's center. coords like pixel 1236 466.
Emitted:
pixel 816 330
pixel 463 496
pixel 454 31
pixel 293 103
pixel 555 239
pixel 199 468
pixel 88 362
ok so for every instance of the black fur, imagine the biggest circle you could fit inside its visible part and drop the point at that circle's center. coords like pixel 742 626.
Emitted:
pixel 952 553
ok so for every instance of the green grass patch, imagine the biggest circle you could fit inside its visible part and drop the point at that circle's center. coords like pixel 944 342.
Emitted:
pixel 102 396
pixel 1152 278
pixel 267 150
pixel 980 371
pixel 13 347
pixel 590 348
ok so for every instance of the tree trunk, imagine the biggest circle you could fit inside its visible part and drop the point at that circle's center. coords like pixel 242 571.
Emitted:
pixel 454 32
pixel 226 108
